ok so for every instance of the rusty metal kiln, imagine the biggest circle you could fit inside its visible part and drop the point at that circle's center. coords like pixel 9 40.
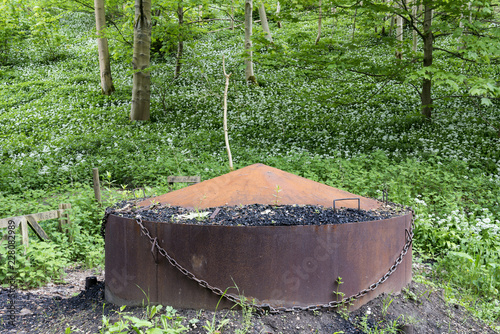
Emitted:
pixel 280 267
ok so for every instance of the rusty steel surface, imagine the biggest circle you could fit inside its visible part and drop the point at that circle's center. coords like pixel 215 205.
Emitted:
pixel 257 184
pixel 280 265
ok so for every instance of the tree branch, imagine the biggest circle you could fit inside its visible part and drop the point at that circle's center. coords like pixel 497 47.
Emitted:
pixel 455 54
pixel 207 20
pixel 119 31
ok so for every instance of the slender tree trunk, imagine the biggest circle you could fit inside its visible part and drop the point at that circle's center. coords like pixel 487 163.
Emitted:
pixel 141 56
pixel 354 23
pixel 102 46
pixel 391 24
pixel 386 17
pixel 334 23
pixel 226 136
pixel 354 20
pixel 461 43
pixel 180 44
pixel 426 97
pixel 414 11
pixel 278 10
pixel 250 76
pixel 399 36
pixel 265 24
pixel 319 24
pixel 232 15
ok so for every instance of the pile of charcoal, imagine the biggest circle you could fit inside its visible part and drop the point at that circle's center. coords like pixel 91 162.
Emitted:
pixel 258 214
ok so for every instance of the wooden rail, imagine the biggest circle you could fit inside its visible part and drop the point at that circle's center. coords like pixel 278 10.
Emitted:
pixel 32 220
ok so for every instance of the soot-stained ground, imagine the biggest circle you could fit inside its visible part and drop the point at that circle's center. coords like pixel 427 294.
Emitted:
pixel 420 307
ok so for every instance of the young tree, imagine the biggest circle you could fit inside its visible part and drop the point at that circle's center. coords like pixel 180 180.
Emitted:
pixel 140 61
pixel 226 136
pixel 481 41
pixel 102 46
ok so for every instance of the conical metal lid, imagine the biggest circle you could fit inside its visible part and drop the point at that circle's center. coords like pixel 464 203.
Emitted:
pixel 259 184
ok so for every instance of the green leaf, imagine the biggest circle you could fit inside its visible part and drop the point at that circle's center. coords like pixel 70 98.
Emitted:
pixel 486 101
pixel 156 331
pixel 138 322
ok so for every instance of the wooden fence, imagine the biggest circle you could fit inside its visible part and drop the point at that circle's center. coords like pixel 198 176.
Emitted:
pixel 32 220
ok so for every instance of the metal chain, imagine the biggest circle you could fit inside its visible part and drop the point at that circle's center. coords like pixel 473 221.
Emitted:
pixel 104 221
pixel 266 307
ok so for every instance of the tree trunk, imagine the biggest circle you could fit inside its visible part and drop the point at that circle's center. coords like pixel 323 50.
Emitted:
pixel 391 24
pixel 180 45
pixel 102 46
pixel 426 97
pixel 415 35
pixel 319 24
pixel 278 10
pixel 232 15
pixel 354 20
pixel 265 24
pixel 399 36
pixel 354 23
pixel 461 43
pixel 250 77
pixel 140 61
pixel 334 11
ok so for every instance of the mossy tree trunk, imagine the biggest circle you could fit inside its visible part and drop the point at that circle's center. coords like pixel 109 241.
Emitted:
pixel 102 46
pixel 140 61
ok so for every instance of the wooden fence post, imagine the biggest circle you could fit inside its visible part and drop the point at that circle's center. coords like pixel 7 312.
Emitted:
pixel 97 186
pixel 64 222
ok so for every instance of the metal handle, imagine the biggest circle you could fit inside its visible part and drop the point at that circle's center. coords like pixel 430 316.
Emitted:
pixel 347 199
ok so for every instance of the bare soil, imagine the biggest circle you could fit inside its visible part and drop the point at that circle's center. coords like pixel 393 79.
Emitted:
pixel 423 309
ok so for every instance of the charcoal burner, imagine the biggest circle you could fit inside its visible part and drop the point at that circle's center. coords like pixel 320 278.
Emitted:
pixel 293 265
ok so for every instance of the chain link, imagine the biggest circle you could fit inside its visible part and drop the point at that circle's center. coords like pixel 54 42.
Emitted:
pixel 266 307
pixel 104 221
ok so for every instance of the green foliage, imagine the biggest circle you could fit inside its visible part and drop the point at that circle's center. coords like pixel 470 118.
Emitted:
pixel 46 38
pixel 156 323
pixel 42 263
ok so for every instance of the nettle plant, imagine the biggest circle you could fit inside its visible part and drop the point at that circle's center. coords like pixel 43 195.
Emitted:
pixel 43 262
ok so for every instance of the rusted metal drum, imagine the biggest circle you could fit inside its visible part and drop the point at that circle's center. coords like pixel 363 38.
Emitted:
pixel 283 266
